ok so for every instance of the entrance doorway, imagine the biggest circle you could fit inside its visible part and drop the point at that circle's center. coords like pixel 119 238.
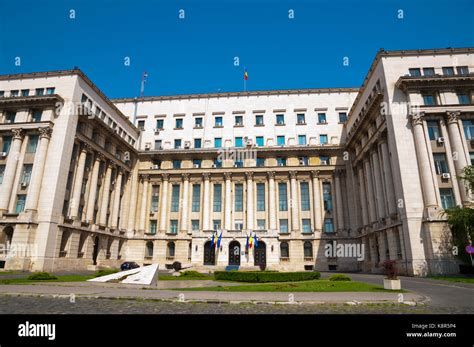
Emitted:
pixel 260 255
pixel 234 253
pixel 95 252
pixel 209 254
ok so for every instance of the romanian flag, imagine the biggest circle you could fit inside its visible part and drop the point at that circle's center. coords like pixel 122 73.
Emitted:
pixel 255 240
pixel 246 75
pixel 250 241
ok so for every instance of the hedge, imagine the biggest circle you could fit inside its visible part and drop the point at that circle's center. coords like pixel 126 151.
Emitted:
pixel 265 276
pixel 42 276
pixel 340 277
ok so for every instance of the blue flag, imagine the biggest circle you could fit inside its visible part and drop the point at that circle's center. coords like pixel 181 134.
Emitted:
pixel 247 244
pixel 219 240
pixel 255 241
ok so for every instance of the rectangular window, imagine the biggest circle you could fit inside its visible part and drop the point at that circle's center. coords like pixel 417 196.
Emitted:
pixel 238 225
pixel 447 199
pixel 429 99
pixel 327 197
pixel 260 162
pixel 39 91
pixel 197 143
pixel 324 160
pixel 441 165
pixel 175 198
pixel 159 124
pixel 306 223
pixel 179 123
pixel 49 91
pixel 176 164
pixel 342 117
pixel 462 70
pixel 2 173
pixel 26 175
pixel 448 71
pixel 433 129
pixel 322 118
pixel 10 117
pixel 36 116
pixel 153 227
pixel 2 93
pixel 305 205
pixel 155 193
pixel 281 161
pixel 14 93
pixel 468 126
pixel 177 144
pixel 217 163
pixel 173 226
pixel 323 139
pixel 303 161
pixel 280 119
pixel 415 72
pixel 20 203
pixel 197 163
pixel 280 140
pixel 428 71
pixel 32 144
pixel 328 225
pixel 218 122
pixel 217 202
pixel 196 203
pixel 198 122
pixel 302 140
pixel 261 224
pixel 218 142
pixel 239 142
pixel 141 125
pixel 282 197
pixel 158 144
pixel 284 226
pixel 259 141
pixel 463 98
pixel 7 142
pixel 195 224
pixel 25 92
pixel 216 224
pixel 239 121
pixel 259 120
pixel 239 197
pixel 260 196
pixel 300 118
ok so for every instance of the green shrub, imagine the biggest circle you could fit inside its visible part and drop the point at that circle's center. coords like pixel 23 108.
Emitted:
pixel 193 274
pixel 105 272
pixel 340 277
pixel 265 276
pixel 41 276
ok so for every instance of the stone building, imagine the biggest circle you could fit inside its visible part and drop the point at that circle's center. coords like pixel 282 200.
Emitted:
pixel 87 181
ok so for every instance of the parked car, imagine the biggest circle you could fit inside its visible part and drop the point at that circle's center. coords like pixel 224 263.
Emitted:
pixel 129 265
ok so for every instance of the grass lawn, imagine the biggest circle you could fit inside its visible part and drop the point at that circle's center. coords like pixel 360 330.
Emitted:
pixel 65 278
pixel 303 286
pixel 185 278
pixel 454 279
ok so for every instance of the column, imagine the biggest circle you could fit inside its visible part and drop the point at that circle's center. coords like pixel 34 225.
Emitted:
pixel 228 201
pixel 38 169
pixel 339 208
pixel 363 196
pixel 77 188
pixel 184 205
pixel 105 195
pixel 460 161
pixel 164 202
pixel 206 200
pixel 429 193
pixel 295 220
pixel 378 185
pixel 144 203
pixel 133 199
pixel 116 203
pixel 272 201
pixel 370 191
pixel 125 204
pixel 318 222
pixel 250 197
pixel 10 169
pixel 93 188
pixel 387 170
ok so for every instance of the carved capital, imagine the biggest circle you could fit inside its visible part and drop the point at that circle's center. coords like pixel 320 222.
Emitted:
pixel 100 156
pixel 144 177
pixel 206 176
pixel 453 116
pixel 249 175
pixel 45 132
pixel 417 118
pixel 315 173
pixel 271 174
pixel 228 175
pixel 293 174
pixel 18 134
pixel 165 176
pixel 185 177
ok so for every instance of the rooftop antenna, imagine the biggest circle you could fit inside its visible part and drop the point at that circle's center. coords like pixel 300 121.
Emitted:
pixel 142 92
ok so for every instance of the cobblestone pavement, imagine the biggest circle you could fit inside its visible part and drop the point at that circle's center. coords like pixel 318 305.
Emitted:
pixel 50 305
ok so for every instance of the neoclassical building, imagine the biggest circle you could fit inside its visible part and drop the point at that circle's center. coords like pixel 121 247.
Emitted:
pixel 86 181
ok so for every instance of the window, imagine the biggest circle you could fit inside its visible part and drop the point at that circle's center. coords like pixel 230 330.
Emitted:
pixel 238 225
pixel 217 163
pixel 448 71
pixel 304 188
pixel 176 164
pixel 149 250
pixel 239 197
pixel 322 118
pixel 238 163
pixel 259 141
pixel 197 163
pixel 463 98
pixel 300 118
pixel 179 123
pixel 441 165
pixel 303 161
pixel 342 117
pixel 281 161
pixel 259 120
pixel 218 122
pixel 2 173
pixel 160 124
pixel 141 124
pixel 7 142
pixel 284 250
pixel 39 91
pixel 10 117
pixel 284 226
pixel 177 144
pixel 158 144
pixel 216 224
pixel 462 70
pixel 175 198
pixel 14 93
pixel 198 122
pixel 2 93
pixel 20 203
pixel 260 196
pixel 196 202
pixel 36 116
pixel 218 142
pixel 49 91
pixel 471 154
pixel 328 225
pixel 239 121
pixel 433 129
pixel 308 249
pixel 280 119
pixel 302 140
pixel 25 92
pixel 197 143
pixel 260 162
pixel 217 202
pixel 173 226
pixel 415 72
pixel 282 197
pixel 195 224
pixel 327 198
pixel 170 248
pixel 324 160
pixel 428 71
pixel 447 199
pixel 155 193
pixel 306 222
pixel 239 142
pixel 26 175
pixel 468 126
pixel 153 227
pixel 323 139
pixel 32 144
pixel 429 99
pixel 280 140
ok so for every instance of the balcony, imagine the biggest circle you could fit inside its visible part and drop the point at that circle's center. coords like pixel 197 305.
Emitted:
pixel 435 82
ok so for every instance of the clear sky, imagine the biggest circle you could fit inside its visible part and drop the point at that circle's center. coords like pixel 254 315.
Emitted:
pixel 196 54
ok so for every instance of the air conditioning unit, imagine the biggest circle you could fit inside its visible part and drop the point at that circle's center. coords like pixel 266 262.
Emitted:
pixel 187 144
pixel 446 176
pixel 249 143
pixel 24 184
pixel 155 167
pixel 440 140
pixel 3 154
pixel 214 166
pixel 324 162
pixel 196 166
pixel 147 146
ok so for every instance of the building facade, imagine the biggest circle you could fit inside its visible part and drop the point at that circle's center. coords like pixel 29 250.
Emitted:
pixel 87 181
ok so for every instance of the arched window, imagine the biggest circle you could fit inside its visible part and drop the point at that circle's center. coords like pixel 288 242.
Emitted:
pixel 149 250
pixel 308 249
pixel 284 250
pixel 170 250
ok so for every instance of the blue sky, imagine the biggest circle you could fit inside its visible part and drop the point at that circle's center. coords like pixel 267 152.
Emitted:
pixel 196 54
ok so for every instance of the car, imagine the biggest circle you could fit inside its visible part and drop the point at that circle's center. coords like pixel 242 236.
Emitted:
pixel 129 265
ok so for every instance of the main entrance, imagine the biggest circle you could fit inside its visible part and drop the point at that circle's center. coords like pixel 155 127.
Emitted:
pixel 234 253
pixel 260 255
pixel 209 254
pixel 95 251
